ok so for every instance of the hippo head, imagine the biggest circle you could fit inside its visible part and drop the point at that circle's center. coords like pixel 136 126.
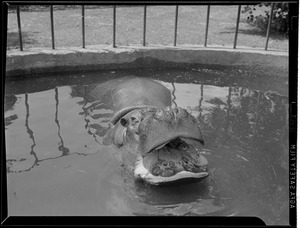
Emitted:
pixel 165 142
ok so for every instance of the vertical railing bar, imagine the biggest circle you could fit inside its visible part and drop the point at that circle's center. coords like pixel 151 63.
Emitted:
pixel 114 27
pixel 207 22
pixel 145 16
pixel 237 26
pixel 269 25
pixel 83 27
pixel 19 28
pixel 52 26
pixel 176 22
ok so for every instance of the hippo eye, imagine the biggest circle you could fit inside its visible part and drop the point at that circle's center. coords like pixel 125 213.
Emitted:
pixel 184 146
pixel 123 122
pixel 133 118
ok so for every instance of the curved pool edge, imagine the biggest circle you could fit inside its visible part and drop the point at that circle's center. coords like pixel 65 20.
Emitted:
pixel 35 61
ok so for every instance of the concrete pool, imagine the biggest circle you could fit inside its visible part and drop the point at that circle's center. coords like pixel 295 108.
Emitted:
pixel 57 163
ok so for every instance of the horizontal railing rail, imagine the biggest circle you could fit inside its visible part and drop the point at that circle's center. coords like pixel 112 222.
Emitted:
pixel 144 26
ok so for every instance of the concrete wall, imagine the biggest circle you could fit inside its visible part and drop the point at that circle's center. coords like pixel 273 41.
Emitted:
pixel 97 57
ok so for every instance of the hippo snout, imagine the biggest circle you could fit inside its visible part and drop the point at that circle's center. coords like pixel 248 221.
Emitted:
pixel 165 125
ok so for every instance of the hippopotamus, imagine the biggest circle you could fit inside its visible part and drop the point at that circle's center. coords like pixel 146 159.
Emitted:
pixel 159 142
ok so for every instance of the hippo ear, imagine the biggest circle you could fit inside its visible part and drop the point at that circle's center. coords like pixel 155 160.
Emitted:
pixel 124 122
pixel 117 135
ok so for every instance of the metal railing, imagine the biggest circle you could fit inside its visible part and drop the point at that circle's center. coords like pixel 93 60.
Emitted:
pixel 52 26
pixel 83 26
pixel 144 26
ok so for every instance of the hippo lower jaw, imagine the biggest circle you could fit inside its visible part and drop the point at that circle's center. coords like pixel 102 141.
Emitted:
pixel 141 172
pixel 188 164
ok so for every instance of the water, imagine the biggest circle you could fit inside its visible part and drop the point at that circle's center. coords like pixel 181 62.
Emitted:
pixel 57 163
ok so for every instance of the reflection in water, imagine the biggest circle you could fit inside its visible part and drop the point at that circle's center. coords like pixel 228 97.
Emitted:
pixel 86 113
pixel 200 101
pixel 13 162
pixel 9 102
pixel 228 110
pixel 26 164
pixel 30 132
pixel 9 120
pixel 246 141
pixel 96 114
pixel 61 147
pixel 173 94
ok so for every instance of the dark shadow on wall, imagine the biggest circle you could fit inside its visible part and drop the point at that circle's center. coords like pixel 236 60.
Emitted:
pixel 14 42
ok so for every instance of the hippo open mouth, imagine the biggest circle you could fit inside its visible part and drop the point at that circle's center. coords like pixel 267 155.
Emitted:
pixel 176 160
pixel 170 153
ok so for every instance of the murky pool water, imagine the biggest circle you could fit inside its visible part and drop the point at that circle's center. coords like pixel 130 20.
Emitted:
pixel 57 164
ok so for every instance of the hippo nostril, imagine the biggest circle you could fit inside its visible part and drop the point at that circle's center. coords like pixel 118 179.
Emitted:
pixel 159 114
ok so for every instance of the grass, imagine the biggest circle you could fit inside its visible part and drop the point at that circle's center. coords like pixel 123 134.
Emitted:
pixel 36 28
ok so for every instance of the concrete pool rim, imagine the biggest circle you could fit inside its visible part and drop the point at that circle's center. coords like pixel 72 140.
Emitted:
pixel 96 57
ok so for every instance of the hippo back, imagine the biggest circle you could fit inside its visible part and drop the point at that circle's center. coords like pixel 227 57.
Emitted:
pixel 126 94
